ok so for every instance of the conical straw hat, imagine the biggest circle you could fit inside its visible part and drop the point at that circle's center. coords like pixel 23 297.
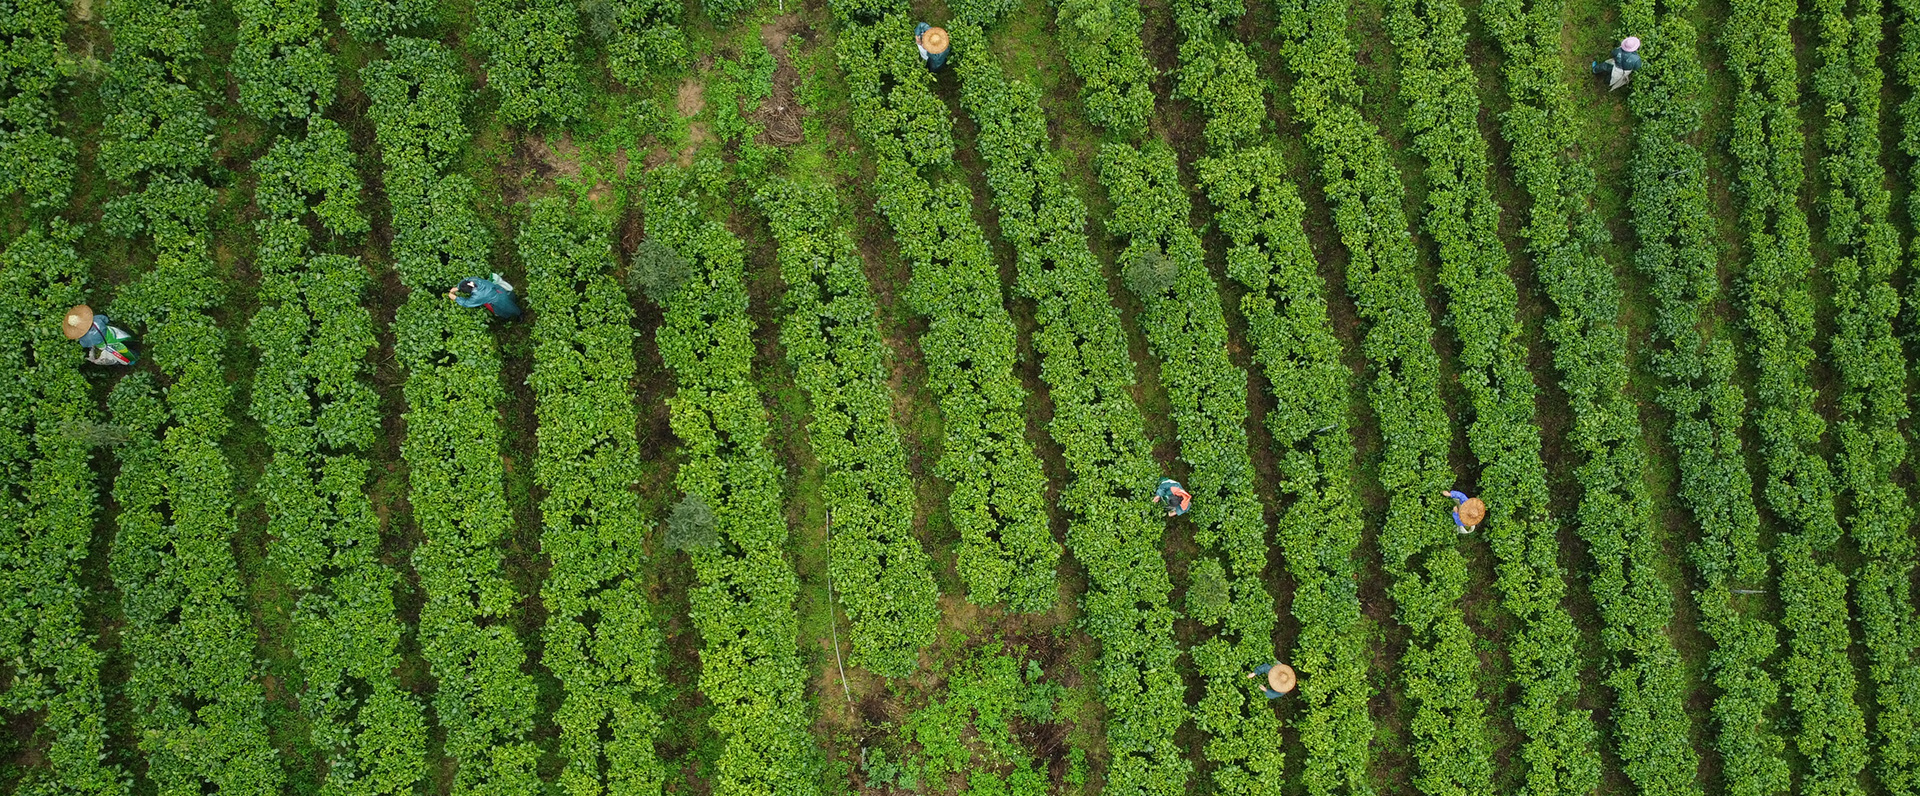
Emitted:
pixel 935 40
pixel 1473 511
pixel 1281 678
pixel 77 321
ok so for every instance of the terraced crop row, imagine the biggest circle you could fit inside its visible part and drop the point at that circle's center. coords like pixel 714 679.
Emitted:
pixel 1482 309
pixel 602 638
pixel 195 704
pixel 321 418
pixel 48 508
pixel 1186 329
pixel 484 701
pixel 1799 487
pixel 743 607
pixel 1873 371
pixel 1085 363
pixel 1259 213
pixel 36 157
pixel 879 570
pixel 1007 553
pixel 1417 541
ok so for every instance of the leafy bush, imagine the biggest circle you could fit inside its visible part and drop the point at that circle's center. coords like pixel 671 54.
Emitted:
pixel 656 271
pixel 35 159
pixel 1149 274
pixel 530 46
pixel 690 526
pixel 601 638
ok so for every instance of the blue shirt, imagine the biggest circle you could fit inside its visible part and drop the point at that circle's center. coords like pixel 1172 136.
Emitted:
pixel 489 295
pixel 96 334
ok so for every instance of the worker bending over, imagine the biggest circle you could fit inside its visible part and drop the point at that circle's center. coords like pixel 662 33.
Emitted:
pixel 933 43
pixel 1177 498
pixel 494 294
pixel 1619 68
pixel 1467 512
pixel 105 343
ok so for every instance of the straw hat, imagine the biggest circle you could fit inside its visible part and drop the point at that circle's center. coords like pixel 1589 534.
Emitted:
pixel 1281 678
pixel 935 40
pixel 1472 511
pixel 78 320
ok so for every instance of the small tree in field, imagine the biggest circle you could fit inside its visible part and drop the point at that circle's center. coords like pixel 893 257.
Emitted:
pixel 690 527
pixel 657 271
pixel 1150 274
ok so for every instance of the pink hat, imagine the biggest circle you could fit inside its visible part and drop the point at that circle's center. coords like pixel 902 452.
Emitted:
pixel 1630 44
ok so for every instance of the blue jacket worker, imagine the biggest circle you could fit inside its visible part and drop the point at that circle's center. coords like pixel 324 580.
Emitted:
pixel 1178 500
pixel 1280 678
pixel 933 43
pixel 105 343
pixel 490 293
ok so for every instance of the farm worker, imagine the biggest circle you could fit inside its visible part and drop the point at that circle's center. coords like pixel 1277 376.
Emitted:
pixel 1280 678
pixel 105 343
pixel 1467 512
pixel 1172 492
pixel 494 294
pixel 1626 59
pixel 932 43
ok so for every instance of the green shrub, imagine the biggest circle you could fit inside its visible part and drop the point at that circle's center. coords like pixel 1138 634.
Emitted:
pixel 657 271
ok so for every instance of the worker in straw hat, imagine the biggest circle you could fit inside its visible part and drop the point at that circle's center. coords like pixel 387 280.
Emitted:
pixel 933 43
pixel 1280 678
pixel 105 343
pixel 1626 59
pixel 1467 512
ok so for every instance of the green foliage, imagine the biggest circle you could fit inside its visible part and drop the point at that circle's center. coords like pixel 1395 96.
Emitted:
pixel 1418 546
pixel 1102 435
pixel 1564 235
pixel 530 46
pixel 1799 487
pixel 981 13
pixel 1482 308
pixel 1150 273
pixel 743 605
pixel 373 20
pixel 1872 367
pixel 1006 553
pixel 601 638
pixel 35 159
pixel 690 526
pixel 639 35
pixel 968 730
pixel 48 428
pixel 197 708
pixel 317 173
pixel 883 577
pixel 281 62
pixel 1101 39
pixel 656 271
pixel 485 702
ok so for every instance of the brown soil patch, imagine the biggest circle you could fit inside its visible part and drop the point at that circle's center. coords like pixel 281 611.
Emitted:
pixel 780 114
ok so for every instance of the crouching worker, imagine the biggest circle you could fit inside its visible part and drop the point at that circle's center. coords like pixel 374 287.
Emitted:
pixel 933 43
pixel 105 343
pixel 1178 500
pixel 494 294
